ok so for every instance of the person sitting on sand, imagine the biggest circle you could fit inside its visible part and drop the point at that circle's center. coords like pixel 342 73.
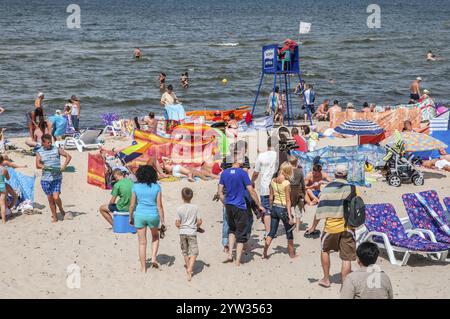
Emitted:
pixel 372 107
pixel 122 190
pixel 299 140
pixel 169 98
pixel 322 111
pixel 232 126
pixel 48 160
pixel 137 53
pixel 356 285
pixel 152 123
pixel 146 210
pixel 425 95
pixel 314 181
pixel 350 106
pixel 188 221
pixel 334 109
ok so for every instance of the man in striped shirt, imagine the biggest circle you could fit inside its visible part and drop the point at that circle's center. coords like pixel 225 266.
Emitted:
pixel 336 235
pixel 48 158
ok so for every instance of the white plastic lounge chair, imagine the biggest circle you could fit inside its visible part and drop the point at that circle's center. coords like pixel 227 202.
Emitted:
pixel 115 128
pixel 385 229
pixel 86 140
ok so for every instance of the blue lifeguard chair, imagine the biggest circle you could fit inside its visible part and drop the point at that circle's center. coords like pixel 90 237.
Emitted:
pixel 282 67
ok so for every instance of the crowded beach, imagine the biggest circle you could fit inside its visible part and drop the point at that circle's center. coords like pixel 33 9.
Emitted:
pixel 301 202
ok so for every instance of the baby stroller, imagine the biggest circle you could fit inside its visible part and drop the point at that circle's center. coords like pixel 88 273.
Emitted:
pixel 400 168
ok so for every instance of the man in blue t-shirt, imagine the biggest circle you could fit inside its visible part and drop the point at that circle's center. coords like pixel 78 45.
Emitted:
pixel 233 185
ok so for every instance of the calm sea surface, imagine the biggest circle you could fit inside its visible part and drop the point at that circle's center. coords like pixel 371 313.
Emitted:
pixel 212 40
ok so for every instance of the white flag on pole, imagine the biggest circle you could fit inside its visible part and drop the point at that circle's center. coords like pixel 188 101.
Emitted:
pixel 305 27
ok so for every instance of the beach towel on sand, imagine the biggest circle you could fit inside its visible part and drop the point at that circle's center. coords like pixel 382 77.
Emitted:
pixel 23 185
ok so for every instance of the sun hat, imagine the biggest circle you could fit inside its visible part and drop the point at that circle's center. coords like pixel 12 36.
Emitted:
pixel 426 91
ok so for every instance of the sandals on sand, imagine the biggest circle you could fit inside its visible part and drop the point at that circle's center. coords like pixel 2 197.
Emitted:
pixel 315 234
pixel 162 231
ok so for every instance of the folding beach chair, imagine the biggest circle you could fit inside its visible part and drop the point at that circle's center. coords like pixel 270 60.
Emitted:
pixel 385 229
pixel 421 220
pixel 86 140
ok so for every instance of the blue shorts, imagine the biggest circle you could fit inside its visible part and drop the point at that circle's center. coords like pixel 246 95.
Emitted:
pixel 316 193
pixel 51 187
pixel 150 221
pixel 112 208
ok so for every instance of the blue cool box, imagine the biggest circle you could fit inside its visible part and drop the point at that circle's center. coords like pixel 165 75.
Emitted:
pixel 121 223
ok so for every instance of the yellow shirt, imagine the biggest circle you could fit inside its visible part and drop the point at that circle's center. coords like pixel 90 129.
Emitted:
pixel 279 193
pixel 336 225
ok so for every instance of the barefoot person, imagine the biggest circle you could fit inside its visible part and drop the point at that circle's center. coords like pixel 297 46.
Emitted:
pixel 39 101
pixel 146 210
pixel 336 236
pixel 122 189
pixel 4 176
pixel 280 202
pixel 415 91
pixel 48 158
pixel 233 184
pixel 188 221
pixel 162 81
pixel 265 167
pixel 152 123
pixel 76 112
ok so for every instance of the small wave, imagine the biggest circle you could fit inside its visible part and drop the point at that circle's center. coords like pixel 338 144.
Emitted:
pixel 226 44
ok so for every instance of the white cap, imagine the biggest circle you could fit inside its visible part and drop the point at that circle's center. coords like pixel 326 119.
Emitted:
pixel 419 78
pixel 341 169
pixel 40 94
pixel 426 91
pixel 58 112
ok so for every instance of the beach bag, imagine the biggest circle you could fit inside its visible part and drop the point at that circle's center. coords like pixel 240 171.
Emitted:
pixel 354 209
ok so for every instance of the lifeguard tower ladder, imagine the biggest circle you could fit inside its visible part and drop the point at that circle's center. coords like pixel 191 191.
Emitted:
pixel 272 64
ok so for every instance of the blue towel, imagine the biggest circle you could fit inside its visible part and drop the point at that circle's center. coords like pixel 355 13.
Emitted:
pixel 174 112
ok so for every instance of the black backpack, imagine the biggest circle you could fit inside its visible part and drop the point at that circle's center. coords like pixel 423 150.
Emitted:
pixel 354 209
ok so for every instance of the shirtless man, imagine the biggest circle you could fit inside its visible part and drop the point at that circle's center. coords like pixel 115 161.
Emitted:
pixel 137 53
pixel 313 181
pixel 169 98
pixel 322 111
pixel 415 90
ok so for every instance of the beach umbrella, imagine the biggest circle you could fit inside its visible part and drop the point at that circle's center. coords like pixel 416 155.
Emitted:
pixel 415 142
pixel 359 127
pixel 368 132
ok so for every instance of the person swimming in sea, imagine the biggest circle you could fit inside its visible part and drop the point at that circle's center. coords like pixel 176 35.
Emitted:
pixel 137 53
pixel 431 56
pixel 162 82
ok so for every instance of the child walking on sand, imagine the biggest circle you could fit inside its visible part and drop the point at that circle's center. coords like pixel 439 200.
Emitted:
pixel 3 177
pixel 188 221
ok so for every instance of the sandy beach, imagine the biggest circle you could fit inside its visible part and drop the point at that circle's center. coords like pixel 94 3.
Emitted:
pixel 36 253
